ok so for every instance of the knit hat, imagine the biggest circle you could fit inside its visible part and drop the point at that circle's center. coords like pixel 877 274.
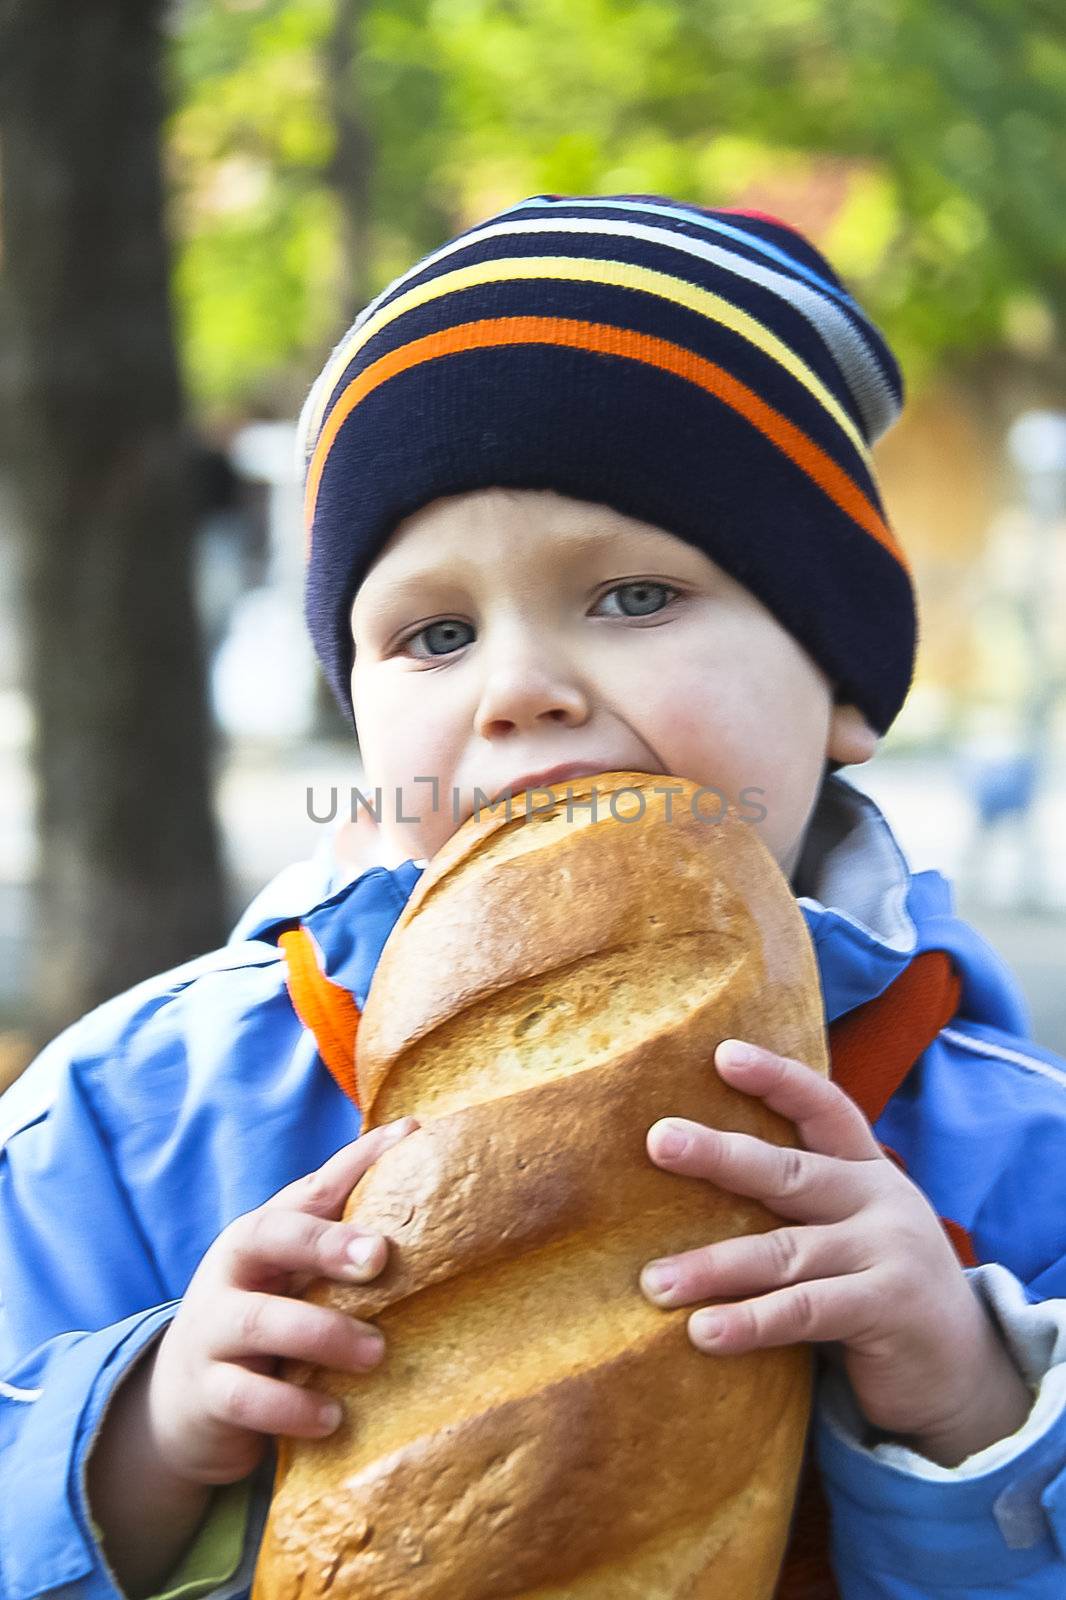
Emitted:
pixel 702 370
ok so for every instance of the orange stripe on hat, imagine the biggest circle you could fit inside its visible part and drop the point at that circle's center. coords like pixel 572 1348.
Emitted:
pixel 602 338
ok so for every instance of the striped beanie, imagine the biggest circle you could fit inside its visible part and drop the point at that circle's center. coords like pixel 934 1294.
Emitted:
pixel 701 370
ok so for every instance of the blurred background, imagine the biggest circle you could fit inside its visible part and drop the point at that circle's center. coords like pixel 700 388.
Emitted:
pixel 195 199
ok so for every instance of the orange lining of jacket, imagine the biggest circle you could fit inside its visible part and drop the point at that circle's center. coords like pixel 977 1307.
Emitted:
pixel 329 1011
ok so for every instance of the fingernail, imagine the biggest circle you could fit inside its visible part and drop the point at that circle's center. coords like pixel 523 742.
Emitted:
pixel 706 1327
pixel 658 1277
pixel 369 1349
pixel 361 1252
pixel 329 1415
pixel 396 1130
pixel 671 1139
pixel 737 1053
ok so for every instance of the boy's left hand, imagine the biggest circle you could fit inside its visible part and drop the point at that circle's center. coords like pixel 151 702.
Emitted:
pixel 870 1267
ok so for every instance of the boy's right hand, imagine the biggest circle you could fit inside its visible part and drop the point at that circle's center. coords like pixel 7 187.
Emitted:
pixel 211 1399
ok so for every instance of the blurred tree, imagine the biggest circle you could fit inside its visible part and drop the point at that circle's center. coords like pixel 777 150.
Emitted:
pixel 350 170
pixel 303 151
pixel 258 272
pixel 923 146
pixel 104 469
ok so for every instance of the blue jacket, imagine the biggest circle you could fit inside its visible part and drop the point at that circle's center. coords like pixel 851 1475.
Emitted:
pixel 139 1133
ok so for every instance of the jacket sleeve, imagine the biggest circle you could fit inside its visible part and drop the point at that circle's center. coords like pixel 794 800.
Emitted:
pixel 81 1297
pixel 215 1562
pixel 216 1552
pixel 905 1527
pixel 981 1127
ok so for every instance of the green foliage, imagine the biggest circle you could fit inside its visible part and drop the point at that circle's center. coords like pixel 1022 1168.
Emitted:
pixel 923 146
pixel 259 251
pixel 401 89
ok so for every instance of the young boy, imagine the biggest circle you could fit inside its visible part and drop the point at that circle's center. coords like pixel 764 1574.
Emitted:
pixel 589 488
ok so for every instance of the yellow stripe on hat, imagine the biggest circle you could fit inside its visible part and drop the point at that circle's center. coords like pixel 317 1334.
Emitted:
pixel 604 338
pixel 618 275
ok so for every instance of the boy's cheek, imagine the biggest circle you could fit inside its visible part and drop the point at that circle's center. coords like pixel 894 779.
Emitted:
pixel 398 745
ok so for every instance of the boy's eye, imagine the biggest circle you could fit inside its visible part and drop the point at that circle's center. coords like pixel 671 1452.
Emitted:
pixel 442 634
pixel 645 597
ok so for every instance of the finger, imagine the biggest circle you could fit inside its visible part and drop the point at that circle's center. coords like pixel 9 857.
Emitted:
pixel 259 1249
pixel 273 1325
pixel 251 1400
pixel 325 1191
pixel 827 1120
pixel 752 1264
pixel 793 1183
pixel 825 1309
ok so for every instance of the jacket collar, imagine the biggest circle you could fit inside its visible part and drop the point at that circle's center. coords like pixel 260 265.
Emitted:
pixel 853 886
pixel 869 915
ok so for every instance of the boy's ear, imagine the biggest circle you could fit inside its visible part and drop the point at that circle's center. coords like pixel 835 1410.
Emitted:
pixel 851 740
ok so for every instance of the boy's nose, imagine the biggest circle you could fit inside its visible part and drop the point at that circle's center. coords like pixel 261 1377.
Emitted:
pixel 525 693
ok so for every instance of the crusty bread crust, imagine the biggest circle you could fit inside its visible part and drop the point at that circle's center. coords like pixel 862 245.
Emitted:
pixel 554 985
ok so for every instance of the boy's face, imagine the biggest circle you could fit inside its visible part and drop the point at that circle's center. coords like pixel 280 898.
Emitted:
pixel 508 631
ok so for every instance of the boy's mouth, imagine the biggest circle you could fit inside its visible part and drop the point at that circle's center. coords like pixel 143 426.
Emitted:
pixel 559 774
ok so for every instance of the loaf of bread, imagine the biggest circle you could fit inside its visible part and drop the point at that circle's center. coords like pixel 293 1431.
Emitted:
pixel 558 980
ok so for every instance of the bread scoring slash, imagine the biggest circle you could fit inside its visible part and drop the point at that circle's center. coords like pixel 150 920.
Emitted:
pixel 558 980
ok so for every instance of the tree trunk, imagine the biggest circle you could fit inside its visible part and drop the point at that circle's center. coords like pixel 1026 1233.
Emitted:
pixel 103 468
pixel 350 170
